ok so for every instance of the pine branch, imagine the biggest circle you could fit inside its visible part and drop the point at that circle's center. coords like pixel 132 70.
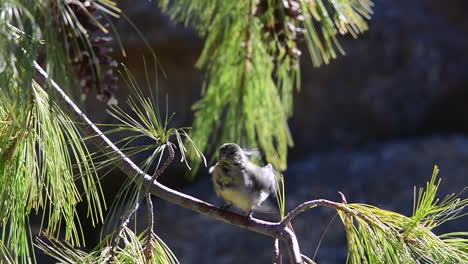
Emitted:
pixel 251 60
pixel 374 235
pixel 272 229
pixel 127 166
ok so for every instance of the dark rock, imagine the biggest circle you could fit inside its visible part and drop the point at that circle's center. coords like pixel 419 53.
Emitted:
pixel 406 76
pixel 409 67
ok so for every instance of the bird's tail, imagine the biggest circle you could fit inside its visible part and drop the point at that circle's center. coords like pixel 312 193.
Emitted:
pixel 266 207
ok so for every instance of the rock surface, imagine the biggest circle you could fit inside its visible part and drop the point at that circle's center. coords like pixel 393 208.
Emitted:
pixel 406 76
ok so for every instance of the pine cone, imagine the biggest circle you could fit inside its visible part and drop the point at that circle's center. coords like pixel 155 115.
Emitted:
pixel 282 26
pixel 93 64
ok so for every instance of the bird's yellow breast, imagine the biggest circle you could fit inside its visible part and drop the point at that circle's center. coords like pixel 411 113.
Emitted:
pixel 237 198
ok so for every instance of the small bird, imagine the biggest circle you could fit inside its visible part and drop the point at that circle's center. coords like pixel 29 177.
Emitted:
pixel 241 182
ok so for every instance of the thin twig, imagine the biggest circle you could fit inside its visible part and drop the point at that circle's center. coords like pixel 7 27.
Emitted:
pixel 276 252
pixel 149 235
pixel 149 203
pixel 166 164
pixel 323 235
pixel 322 202
pixel 116 239
pixel 310 204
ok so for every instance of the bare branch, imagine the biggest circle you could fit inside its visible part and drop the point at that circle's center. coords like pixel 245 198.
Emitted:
pixel 149 203
pixel 322 202
pixel 272 229
pixel 294 252
pixel 276 252
pixel 343 197
pixel 168 194
pixel 311 204
pixel 166 164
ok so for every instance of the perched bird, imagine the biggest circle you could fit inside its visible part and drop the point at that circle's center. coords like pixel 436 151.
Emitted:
pixel 241 182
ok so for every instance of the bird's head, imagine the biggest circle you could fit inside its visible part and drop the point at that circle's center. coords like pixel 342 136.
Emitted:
pixel 231 153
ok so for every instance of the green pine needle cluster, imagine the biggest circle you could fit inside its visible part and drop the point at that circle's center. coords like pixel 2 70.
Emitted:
pixel 250 80
pixel 142 123
pixel 281 196
pixel 130 251
pixel 42 159
pixel 44 163
pixel 334 18
pixel 144 131
pixel 379 236
pixel 143 119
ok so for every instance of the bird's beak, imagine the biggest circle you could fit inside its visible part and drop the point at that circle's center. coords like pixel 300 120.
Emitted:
pixel 222 156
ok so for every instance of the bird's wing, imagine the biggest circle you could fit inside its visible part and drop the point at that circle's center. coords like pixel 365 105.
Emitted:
pixel 263 178
pixel 272 176
pixel 251 152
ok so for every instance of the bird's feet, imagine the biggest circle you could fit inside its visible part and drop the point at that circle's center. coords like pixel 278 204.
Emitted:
pixel 225 207
pixel 249 216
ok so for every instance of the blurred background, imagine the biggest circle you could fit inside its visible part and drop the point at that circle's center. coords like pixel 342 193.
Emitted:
pixel 371 124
